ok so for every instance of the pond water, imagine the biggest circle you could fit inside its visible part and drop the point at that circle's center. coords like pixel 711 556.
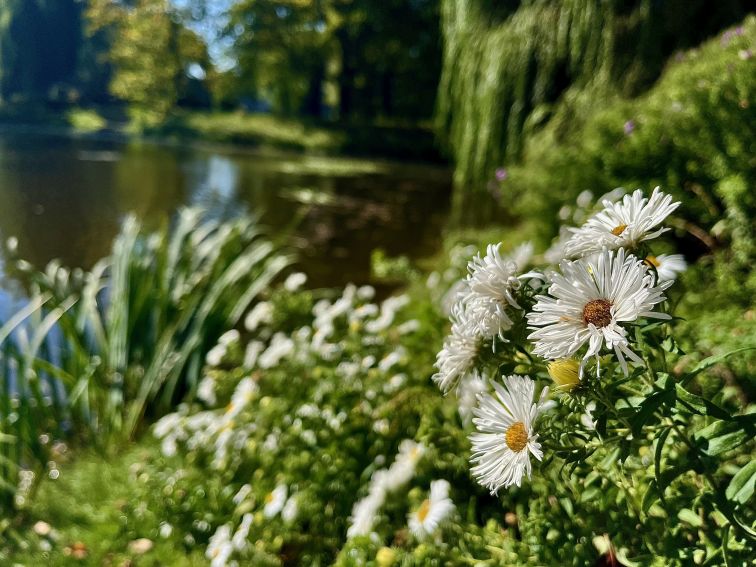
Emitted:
pixel 65 198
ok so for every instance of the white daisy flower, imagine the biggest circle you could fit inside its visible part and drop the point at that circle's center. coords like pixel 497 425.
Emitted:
pixel 505 439
pixel 589 301
pixel 432 512
pixel 622 224
pixel 491 284
pixel 668 266
pixel 459 353
pixel 275 501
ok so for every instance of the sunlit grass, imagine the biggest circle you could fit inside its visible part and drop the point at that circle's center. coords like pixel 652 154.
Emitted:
pixel 84 120
pixel 84 507
pixel 262 128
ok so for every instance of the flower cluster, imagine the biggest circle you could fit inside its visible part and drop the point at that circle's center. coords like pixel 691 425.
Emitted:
pixel 606 283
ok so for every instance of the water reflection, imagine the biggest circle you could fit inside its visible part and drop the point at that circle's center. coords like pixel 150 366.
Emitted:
pixel 65 199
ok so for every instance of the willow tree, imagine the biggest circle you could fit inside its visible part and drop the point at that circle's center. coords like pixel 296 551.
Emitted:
pixel 506 65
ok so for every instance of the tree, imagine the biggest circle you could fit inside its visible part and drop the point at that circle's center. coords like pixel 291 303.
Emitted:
pixel 150 52
pixel 39 46
pixel 363 58
pixel 506 64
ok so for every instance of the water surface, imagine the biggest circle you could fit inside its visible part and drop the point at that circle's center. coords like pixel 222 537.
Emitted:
pixel 65 198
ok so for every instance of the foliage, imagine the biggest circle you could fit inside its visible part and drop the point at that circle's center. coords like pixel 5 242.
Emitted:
pixel 39 42
pixel 322 388
pixel 149 53
pixel 83 517
pixel 690 134
pixel 94 352
pixel 507 68
pixel 363 59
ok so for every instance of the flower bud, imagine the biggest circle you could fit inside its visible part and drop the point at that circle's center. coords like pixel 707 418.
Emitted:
pixel 565 372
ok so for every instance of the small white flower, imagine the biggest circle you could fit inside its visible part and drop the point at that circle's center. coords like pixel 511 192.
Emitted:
pixel 280 347
pixel 239 541
pixel 219 548
pixel 668 266
pixel 364 514
pixel 243 393
pixel 392 359
pixel 467 394
pixel 290 510
pixel 588 303
pixel 506 437
pixel 229 337
pixel 432 512
pixel 411 326
pixel 522 255
pixel 587 418
pixel 622 224
pixel 295 281
pixel 275 500
pixel 460 351
pixel 165 530
pixel 262 313
pixel 242 494
pixel 252 352
pixel 215 355
pixel 206 391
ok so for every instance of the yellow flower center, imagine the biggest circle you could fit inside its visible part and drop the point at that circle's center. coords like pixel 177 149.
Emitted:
pixel 423 511
pixel 269 498
pixel 597 312
pixel 619 229
pixel 565 373
pixel 517 437
pixel 652 261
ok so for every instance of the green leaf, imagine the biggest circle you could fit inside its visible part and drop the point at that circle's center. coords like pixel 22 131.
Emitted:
pixel 711 361
pixel 700 405
pixel 648 407
pixel 723 436
pixel 742 484
pixel 689 516
pixel 651 496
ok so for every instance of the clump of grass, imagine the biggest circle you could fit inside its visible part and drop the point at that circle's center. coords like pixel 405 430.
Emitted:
pixel 96 352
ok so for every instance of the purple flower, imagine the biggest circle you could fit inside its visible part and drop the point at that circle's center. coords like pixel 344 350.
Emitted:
pixel 629 127
pixel 501 174
pixel 739 30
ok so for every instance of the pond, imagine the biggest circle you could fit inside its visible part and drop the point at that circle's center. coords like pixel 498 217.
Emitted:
pixel 65 198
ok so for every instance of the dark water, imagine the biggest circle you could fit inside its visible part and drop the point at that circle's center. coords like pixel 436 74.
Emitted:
pixel 65 198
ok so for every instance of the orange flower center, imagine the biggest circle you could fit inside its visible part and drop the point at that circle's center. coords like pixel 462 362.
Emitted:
pixel 597 312
pixel 423 511
pixel 517 437
pixel 619 229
